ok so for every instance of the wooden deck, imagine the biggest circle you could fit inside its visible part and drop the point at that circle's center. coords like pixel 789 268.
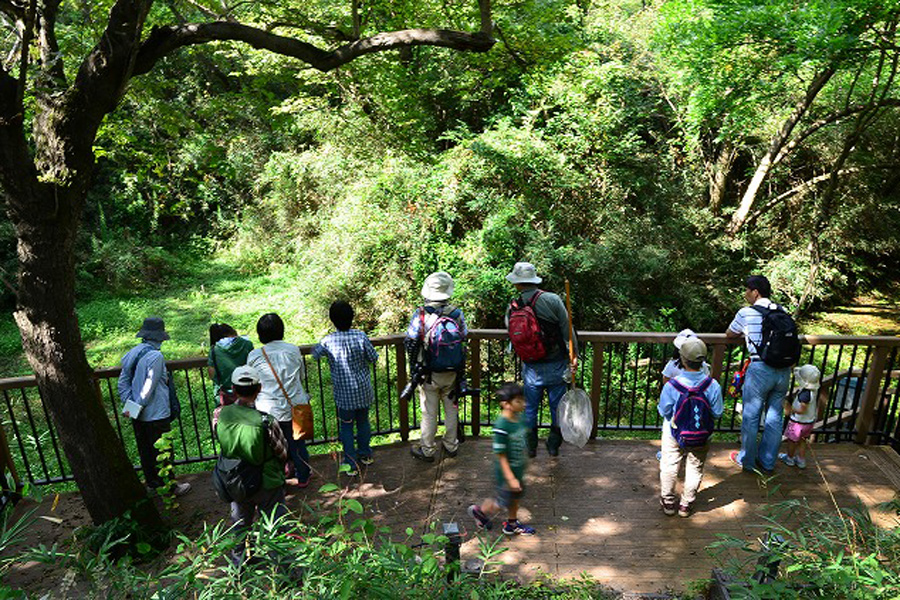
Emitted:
pixel 596 510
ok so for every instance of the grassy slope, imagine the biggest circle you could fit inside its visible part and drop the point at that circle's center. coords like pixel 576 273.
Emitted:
pixel 219 291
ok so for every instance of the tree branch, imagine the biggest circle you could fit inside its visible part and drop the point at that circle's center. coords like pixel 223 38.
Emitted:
pixel 49 47
pixel 13 9
pixel 165 40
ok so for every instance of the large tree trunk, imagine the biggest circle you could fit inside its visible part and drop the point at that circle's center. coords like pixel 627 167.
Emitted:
pixel 52 342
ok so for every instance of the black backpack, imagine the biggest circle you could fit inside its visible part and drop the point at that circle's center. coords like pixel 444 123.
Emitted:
pixel 780 345
pixel 236 479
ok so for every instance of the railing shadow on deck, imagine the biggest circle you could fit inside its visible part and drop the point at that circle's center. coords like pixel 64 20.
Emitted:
pixel 619 370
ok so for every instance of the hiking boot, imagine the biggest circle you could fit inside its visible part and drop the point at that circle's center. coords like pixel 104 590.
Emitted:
pixel 531 440
pixel 419 454
pixel 366 459
pixel 800 462
pixel 684 510
pixel 516 528
pixel 789 461
pixel 668 507
pixel 180 489
pixel 554 441
pixel 482 521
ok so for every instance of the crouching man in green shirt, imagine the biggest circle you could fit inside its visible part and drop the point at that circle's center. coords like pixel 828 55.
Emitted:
pixel 252 436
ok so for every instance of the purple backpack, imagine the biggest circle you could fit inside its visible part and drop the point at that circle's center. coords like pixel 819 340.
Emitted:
pixel 692 419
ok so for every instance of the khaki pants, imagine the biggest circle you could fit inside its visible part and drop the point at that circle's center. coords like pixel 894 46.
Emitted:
pixel 431 395
pixel 672 457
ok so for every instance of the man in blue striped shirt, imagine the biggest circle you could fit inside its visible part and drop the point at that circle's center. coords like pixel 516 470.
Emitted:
pixel 764 387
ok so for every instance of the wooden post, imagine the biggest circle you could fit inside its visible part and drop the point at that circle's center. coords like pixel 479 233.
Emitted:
pixel 401 383
pixel 596 378
pixel 718 359
pixel 475 370
pixel 866 418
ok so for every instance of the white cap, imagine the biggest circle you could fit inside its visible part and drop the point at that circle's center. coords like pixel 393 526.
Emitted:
pixel 523 272
pixel 683 336
pixel 245 375
pixel 807 377
pixel 438 286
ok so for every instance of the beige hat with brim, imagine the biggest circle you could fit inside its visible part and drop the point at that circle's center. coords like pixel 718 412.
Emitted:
pixel 807 377
pixel 693 350
pixel 523 272
pixel 438 286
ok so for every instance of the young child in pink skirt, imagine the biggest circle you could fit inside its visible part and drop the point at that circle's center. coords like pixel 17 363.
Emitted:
pixel 803 413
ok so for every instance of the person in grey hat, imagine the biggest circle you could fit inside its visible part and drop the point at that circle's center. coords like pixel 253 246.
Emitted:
pixel 550 371
pixel 437 321
pixel 144 381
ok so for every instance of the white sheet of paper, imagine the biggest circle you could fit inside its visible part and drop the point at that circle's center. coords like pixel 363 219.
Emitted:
pixel 132 408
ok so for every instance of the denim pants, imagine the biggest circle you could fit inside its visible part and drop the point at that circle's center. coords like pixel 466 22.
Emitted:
pixel 764 390
pixel 297 451
pixel 538 377
pixel 360 418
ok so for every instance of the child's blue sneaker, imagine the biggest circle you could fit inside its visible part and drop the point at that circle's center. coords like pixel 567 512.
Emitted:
pixel 481 519
pixel 659 455
pixel 516 528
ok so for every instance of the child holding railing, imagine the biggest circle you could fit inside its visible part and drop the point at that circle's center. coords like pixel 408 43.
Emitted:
pixel 802 415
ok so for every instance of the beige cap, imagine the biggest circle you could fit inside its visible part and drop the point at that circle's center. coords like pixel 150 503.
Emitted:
pixel 693 350
pixel 438 286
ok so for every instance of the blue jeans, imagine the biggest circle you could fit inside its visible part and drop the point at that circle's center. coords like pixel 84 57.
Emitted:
pixel 297 452
pixel 359 417
pixel 538 377
pixel 764 390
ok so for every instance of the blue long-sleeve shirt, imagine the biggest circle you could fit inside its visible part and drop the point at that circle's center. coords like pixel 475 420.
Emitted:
pixel 148 386
pixel 670 395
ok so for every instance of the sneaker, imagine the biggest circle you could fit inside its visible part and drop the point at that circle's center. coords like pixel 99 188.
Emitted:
pixel 482 521
pixel 351 472
pixel 684 510
pixel 787 460
pixel 800 462
pixel 668 507
pixel 516 528
pixel 366 460
pixel 450 453
pixel 419 454
pixel 659 455
pixel 180 489
pixel 734 458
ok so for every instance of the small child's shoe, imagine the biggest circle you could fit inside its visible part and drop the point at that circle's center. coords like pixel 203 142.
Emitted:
pixel 800 462
pixel 684 510
pixel 482 520
pixel 668 506
pixel 516 528
pixel 788 460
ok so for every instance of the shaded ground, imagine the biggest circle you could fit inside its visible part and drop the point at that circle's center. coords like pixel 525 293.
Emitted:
pixel 596 509
pixel 868 315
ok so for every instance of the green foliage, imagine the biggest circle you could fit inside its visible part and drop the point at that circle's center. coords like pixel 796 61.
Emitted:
pixel 165 461
pixel 823 555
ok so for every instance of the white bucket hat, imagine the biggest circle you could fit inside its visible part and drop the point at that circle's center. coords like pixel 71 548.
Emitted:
pixel 245 375
pixel 807 377
pixel 683 336
pixel 438 286
pixel 523 272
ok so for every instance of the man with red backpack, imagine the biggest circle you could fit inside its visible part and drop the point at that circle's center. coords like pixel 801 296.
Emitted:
pixel 774 347
pixel 435 340
pixel 538 327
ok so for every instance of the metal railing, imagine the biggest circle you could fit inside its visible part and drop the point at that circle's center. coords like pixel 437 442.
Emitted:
pixel 620 371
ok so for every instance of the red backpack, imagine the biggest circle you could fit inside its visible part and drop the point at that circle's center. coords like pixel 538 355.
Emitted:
pixel 525 331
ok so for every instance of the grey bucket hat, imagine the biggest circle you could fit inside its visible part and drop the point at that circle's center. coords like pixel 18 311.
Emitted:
pixel 523 272
pixel 153 329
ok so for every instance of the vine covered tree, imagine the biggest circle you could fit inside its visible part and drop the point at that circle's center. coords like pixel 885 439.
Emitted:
pixel 53 99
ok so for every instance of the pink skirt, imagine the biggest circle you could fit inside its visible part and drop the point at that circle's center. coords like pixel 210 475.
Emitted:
pixel 798 431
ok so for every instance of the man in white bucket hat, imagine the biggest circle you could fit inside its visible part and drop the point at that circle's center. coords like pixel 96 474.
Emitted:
pixel 548 367
pixel 435 339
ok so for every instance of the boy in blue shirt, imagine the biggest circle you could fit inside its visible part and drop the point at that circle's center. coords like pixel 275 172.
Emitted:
pixel 349 354
pixel 511 450
pixel 693 355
